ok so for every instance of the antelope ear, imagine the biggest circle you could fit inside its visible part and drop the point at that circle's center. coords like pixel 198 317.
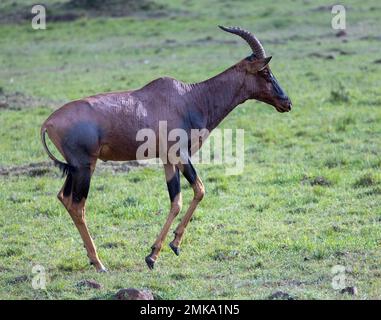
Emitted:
pixel 258 65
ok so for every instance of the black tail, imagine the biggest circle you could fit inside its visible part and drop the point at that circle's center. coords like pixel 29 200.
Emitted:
pixel 64 167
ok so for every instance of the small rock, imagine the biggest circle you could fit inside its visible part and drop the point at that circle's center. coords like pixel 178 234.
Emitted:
pixel 3 104
pixel 133 294
pixel 18 279
pixel 350 290
pixel 341 33
pixel 89 284
pixel 280 295
pixel 320 181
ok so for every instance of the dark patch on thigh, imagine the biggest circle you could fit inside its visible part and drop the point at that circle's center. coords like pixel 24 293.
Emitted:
pixel 174 185
pixel 189 172
pixel 81 142
pixel 81 183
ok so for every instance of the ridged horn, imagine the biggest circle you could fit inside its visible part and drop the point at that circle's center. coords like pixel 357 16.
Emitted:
pixel 251 39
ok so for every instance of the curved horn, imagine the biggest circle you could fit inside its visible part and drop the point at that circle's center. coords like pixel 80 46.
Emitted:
pixel 253 42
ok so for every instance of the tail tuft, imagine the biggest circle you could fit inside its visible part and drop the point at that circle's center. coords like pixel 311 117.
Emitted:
pixel 64 167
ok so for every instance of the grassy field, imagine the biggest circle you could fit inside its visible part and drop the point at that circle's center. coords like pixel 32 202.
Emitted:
pixel 309 197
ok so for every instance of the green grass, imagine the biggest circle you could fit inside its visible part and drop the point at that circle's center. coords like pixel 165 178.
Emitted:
pixel 309 197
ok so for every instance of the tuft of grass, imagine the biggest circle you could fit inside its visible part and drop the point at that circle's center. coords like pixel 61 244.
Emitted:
pixel 343 123
pixel 224 255
pixel 340 94
pixel 130 202
pixel 335 162
pixel 10 252
pixel 367 180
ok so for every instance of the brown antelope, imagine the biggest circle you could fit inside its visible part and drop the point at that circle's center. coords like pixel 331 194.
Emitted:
pixel 105 127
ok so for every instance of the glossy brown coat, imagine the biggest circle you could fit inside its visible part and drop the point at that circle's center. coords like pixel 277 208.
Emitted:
pixel 105 126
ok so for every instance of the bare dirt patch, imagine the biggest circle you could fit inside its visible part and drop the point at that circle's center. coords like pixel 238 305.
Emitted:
pixel 280 295
pixel 47 168
pixel 30 169
pixel 74 9
pixel 323 8
pixel 331 54
pixel 18 100
pixel 210 39
pixel 371 38
pixel 116 167
pixel 322 55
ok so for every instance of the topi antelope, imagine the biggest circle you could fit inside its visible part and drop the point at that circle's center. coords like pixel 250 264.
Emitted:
pixel 105 127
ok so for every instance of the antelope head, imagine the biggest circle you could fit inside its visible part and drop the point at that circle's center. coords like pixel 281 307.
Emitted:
pixel 260 81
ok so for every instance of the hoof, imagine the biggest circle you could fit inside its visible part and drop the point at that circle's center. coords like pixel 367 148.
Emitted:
pixel 175 249
pixel 102 270
pixel 150 262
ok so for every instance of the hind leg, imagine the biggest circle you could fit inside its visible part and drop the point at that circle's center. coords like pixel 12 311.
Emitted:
pixel 73 196
pixel 64 195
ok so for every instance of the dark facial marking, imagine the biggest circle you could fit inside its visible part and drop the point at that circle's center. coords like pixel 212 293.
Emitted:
pixel 174 185
pixel 278 90
pixel 189 172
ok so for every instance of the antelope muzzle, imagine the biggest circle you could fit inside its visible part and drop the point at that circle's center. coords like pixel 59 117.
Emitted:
pixel 282 102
